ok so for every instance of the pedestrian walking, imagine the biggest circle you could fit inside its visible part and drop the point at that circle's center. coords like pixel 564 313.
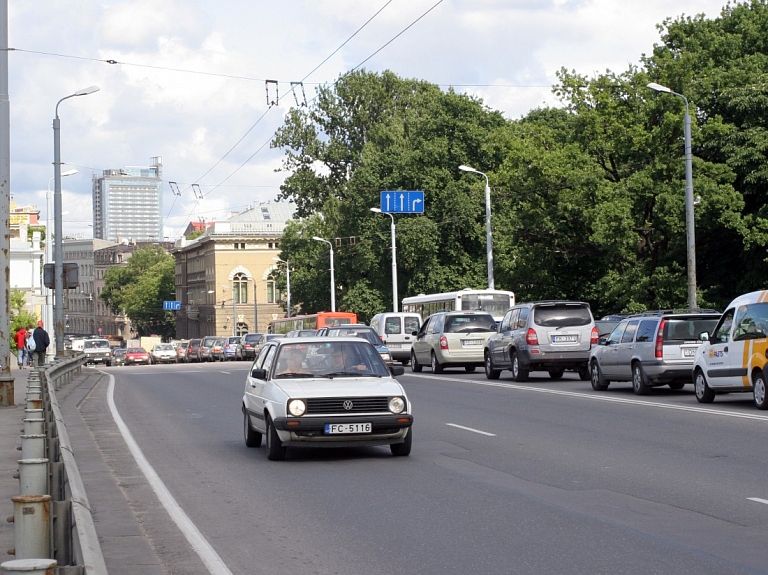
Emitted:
pixel 21 346
pixel 40 341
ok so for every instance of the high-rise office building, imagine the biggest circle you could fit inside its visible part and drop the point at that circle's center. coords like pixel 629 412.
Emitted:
pixel 127 203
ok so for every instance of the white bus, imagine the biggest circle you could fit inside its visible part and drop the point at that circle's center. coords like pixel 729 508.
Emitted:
pixel 495 302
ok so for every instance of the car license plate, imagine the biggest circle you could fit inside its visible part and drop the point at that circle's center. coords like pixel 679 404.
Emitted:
pixel 468 342
pixel 334 428
pixel 394 346
pixel 565 338
pixel 689 352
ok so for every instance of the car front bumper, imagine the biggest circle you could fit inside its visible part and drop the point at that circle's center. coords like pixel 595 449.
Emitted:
pixel 310 431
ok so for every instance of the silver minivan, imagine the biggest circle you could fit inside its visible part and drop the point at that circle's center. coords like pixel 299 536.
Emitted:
pixel 396 331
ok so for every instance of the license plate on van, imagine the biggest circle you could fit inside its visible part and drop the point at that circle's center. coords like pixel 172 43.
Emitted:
pixel 394 346
pixel 565 338
pixel 690 352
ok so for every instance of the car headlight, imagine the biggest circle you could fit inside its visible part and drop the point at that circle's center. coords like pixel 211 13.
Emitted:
pixel 396 405
pixel 297 407
pixel 385 356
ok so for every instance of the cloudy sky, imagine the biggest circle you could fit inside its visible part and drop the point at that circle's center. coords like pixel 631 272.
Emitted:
pixel 188 82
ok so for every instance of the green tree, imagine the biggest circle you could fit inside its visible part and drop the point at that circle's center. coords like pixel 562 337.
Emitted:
pixel 139 288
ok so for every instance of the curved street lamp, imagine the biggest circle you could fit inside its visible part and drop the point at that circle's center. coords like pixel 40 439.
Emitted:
pixel 333 282
pixel 488 236
pixel 394 258
pixel 690 228
pixel 58 253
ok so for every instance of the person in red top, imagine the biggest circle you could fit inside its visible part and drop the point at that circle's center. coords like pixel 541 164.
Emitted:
pixel 21 346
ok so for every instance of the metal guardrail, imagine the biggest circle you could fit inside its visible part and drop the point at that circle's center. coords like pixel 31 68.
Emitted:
pixel 54 532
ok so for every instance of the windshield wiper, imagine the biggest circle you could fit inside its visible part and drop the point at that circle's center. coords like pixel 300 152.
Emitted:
pixel 292 374
pixel 339 374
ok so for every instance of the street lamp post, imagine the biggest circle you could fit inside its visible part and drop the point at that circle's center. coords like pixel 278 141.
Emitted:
pixel 48 314
pixel 58 279
pixel 488 236
pixel 287 286
pixel 690 228
pixel 333 281
pixel 234 308
pixel 394 258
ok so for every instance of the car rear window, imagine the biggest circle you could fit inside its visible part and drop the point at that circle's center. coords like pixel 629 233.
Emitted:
pixel 687 329
pixel 368 335
pixel 251 337
pixel 469 323
pixel 562 315
pixel 393 326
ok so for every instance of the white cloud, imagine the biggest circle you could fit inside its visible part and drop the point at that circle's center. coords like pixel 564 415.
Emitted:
pixel 505 51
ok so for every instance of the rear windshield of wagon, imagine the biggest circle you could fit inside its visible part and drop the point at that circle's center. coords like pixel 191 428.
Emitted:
pixel 562 315
pixel 688 329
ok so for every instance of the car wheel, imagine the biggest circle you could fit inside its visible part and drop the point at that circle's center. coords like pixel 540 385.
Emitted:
pixel 596 376
pixel 518 373
pixel 275 449
pixel 469 368
pixel 404 448
pixel 704 393
pixel 252 437
pixel 556 373
pixel 677 385
pixel 436 367
pixel 584 374
pixel 639 382
pixel 415 365
pixel 490 373
pixel 759 392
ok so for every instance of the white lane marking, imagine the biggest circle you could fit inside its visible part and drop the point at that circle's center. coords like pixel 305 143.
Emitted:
pixel 472 430
pixel 596 397
pixel 201 546
pixel 758 500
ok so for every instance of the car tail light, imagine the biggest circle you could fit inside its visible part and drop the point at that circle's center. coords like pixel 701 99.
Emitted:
pixel 443 342
pixel 595 336
pixel 531 338
pixel 660 340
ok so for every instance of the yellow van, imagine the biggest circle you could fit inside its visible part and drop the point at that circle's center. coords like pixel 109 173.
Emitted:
pixel 733 357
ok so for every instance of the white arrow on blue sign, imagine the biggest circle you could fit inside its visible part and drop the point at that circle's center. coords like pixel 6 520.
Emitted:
pixel 402 201
pixel 172 305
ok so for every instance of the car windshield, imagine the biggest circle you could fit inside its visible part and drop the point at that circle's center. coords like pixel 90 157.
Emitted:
pixel 97 344
pixel 368 334
pixel 136 350
pixel 164 347
pixel 562 315
pixel 328 360
pixel 469 323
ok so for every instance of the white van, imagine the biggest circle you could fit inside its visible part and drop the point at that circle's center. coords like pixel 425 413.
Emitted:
pixel 733 356
pixel 396 329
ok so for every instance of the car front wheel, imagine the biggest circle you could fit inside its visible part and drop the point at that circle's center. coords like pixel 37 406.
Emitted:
pixel 598 381
pixel 704 393
pixel 415 365
pixel 275 449
pixel 759 391
pixel 404 448
pixel 490 373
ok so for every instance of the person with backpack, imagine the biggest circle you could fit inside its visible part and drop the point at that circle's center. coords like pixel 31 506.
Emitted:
pixel 38 344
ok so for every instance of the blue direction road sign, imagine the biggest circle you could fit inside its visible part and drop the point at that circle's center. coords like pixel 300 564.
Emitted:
pixel 172 305
pixel 402 201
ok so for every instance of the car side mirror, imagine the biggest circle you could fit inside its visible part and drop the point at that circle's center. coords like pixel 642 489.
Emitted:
pixel 704 336
pixel 396 370
pixel 259 373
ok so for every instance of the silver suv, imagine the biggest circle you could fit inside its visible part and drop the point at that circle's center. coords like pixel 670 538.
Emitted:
pixel 552 336
pixel 651 349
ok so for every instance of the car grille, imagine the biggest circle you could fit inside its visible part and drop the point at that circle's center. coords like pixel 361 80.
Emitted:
pixel 329 405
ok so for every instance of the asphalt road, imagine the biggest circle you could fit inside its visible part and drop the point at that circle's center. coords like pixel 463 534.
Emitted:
pixel 536 478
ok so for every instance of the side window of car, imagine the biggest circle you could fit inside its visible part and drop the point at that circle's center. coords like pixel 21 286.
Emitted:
pixel 723 330
pixel 522 319
pixel 260 359
pixel 506 321
pixel 629 332
pixel 646 330
pixel 439 322
pixel 615 336
pixel 269 358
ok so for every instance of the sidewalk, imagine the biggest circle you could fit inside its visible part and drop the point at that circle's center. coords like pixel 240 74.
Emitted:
pixel 129 536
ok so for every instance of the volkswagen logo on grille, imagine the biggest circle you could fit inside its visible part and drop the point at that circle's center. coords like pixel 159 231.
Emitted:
pixel 348 404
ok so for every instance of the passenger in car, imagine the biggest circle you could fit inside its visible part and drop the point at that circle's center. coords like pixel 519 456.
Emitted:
pixel 291 362
pixel 345 362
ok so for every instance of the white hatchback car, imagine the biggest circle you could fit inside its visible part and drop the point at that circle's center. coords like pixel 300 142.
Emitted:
pixel 324 392
pixel 452 339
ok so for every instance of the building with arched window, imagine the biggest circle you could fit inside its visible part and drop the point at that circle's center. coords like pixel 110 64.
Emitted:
pixel 224 276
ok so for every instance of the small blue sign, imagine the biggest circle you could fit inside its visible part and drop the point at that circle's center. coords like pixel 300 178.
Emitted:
pixel 402 202
pixel 171 305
